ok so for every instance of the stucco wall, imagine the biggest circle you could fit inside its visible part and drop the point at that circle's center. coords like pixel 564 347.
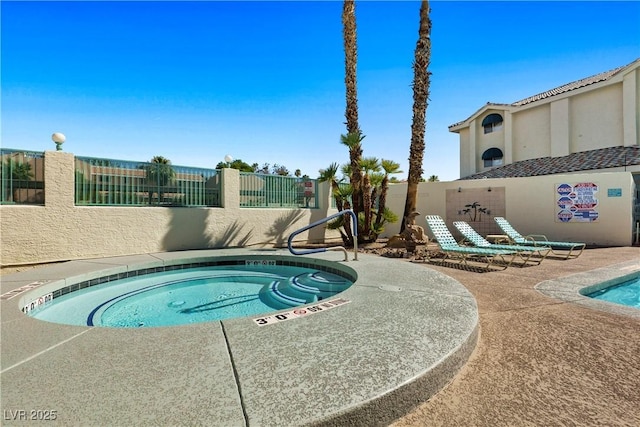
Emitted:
pixel 467 154
pixel 531 133
pixel 592 126
pixel 600 115
pixel 487 140
pixel 59 230
pixel 530 204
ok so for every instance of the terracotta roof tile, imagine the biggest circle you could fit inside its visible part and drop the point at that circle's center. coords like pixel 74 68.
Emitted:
pixel 556 91
pixel 570 86
pixel 603 158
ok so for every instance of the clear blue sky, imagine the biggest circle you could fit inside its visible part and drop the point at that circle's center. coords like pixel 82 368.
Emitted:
pixel 264 81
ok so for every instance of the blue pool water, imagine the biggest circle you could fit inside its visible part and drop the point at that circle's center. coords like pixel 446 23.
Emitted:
pixel 626 293
pixel 192 296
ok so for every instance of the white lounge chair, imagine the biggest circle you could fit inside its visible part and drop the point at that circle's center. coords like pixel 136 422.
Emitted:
pixel 540 240
pixel 452 249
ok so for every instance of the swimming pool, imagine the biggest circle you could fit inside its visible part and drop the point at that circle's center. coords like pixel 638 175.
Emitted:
pixel 626 293
pixel 192 293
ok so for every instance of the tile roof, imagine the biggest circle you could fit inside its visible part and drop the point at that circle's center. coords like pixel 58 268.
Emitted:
pixel 602 158
pixel 601 77
pixel 571 86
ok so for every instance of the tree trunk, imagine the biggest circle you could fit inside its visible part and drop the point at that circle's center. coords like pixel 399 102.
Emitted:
pixel 351 113
pixel 421 82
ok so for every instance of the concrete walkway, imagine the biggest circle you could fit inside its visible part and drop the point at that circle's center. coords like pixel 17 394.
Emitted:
pixel 543 361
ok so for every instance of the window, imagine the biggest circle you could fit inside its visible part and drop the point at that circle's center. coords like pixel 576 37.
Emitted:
pixel 492 157
pixel 492 123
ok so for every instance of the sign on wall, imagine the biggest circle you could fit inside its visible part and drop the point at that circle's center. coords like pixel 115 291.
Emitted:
pixel 577 202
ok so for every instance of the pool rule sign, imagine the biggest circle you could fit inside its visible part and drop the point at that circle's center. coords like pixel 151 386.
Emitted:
pixel 577 202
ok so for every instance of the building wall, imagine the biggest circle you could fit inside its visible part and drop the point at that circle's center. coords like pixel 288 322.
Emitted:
pixel 601 115
pixel 530 204
pixel 59 230
pixel 592 126
pixel 484 141
pixel 467 154
pixel 531 133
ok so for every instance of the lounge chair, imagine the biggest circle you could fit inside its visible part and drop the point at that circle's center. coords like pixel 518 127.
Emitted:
pixel 524 252
pixel 539 240
pixel 452 249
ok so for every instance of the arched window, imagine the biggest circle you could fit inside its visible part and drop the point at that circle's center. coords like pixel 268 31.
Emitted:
pixel 492 122
pixel 492 157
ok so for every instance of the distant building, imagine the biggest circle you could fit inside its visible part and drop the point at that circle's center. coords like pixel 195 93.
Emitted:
pixel 592 124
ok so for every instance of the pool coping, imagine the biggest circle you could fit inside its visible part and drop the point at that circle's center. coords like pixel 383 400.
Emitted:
pixel 573 288
pixel 405 333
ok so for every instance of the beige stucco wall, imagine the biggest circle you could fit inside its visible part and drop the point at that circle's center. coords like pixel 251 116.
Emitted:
pixel 61 231
pixel 531 133
pixel 593 126
pixel 530 204
pixel 467 154
pixel 600 115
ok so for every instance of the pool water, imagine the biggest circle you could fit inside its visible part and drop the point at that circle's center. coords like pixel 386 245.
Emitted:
pixel 193 295
pixel 626 293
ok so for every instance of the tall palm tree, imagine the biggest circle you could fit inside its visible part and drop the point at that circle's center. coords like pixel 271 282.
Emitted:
pixel 354 135
pixel 421 80
pixel 390 167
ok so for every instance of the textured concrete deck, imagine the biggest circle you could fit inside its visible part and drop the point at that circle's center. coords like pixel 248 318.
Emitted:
pixel 545 359
pixel 404 335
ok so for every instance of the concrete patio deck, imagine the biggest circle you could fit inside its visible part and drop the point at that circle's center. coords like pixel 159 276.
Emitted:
pixel 402 337
pixel 545 360
pixel 545 357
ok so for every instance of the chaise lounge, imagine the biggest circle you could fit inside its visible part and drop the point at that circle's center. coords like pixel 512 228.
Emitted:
pixel 539 240
pixel 452 249
pixel 525 253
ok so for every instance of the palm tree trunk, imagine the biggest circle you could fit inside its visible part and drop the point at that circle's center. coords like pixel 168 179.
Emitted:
pixel 366 198
pixel 382 200
pixel 351 113
pixel 421 80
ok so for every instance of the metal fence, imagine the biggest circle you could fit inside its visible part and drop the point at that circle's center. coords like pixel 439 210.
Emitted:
pixel 108 182
pixel 22 174
pixel 275 191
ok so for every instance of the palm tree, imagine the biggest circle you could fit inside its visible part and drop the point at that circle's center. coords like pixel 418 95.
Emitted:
pixel 390 167
pixel 159 174
pixel 353 141
pixel 433 178
pixel 354 135
pixel 376 179
pixel 341 196
pixel 20 173
pixel 421 80
pixel 369 165
pixel 330 175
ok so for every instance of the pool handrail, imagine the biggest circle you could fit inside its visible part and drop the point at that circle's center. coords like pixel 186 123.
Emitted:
pixel 338 248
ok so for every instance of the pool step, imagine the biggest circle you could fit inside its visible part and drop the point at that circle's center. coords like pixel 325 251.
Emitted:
pixel 302 289
pixel 322 281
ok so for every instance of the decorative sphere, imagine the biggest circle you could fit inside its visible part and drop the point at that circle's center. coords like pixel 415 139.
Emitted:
pixel 58 138
pixel 228 158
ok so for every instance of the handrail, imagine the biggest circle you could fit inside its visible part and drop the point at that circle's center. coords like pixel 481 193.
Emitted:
pixel 322 221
